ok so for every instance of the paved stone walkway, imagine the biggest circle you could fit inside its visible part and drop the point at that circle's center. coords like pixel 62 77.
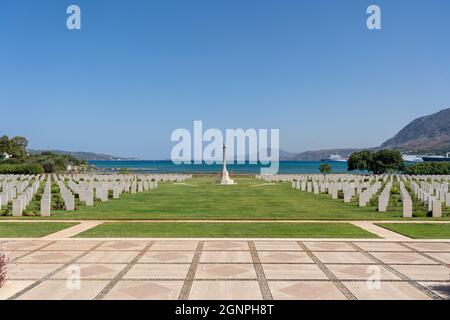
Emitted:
pixel 197 269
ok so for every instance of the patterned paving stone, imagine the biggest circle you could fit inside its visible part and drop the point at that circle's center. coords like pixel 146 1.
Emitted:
pixel 60 290
pixel 71 245
pixel 293 271
pixel 441 256
pixel 382 246
pixel 167 257
pixel 305 290
pixel 225 245
pixel 424 273
pixel 13 286
pixel 158 271
pixel 168 269
pixel 225 290
pixel 50 256
pixel 402 257
pixel 430 246
pixel 126 245
pixel 360 272
pixel 386 291
pixel 342 257
pixel 174 245
pixel 11 255
pixel 284 257
pixel 25 245
pixel 225 271
pixel 226 256
pixel 109 257
pixel 329 246
pixel 91 271
pixel 27 271
pixel 145 290
pixel 278 245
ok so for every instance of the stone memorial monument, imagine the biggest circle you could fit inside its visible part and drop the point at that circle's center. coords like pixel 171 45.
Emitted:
pixel 224 177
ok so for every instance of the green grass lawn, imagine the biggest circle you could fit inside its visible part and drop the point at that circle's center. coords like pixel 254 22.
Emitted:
pixel 248 199
pixel 231 230
pixel 31 229
pixel 420 231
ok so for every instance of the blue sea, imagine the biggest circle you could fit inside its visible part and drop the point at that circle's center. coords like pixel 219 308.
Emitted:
pixel 167 166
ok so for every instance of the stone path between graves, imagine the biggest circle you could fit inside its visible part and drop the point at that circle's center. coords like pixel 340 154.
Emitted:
pixel 226 269
pixel 73 231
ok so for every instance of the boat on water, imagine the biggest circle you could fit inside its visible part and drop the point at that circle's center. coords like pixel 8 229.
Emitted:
pixel 335 158
pixel 434 158
pixel 412 158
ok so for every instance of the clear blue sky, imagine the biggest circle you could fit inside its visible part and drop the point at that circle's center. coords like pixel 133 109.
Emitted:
pixel 139 69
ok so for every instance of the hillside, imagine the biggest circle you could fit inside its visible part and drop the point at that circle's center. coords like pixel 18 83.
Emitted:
pixel 318 155
pixel 80 155
pixel 428 134
pixel 425 134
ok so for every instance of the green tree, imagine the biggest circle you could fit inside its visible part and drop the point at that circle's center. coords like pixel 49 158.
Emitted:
pixel 325 168
pixel 387 161
pixel 21 162
pixel 20 142
pixel 360 160
pixel 16 146
pixel 382 161
pixel 5 145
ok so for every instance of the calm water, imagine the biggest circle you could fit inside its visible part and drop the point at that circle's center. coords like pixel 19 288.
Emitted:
pixel 158 166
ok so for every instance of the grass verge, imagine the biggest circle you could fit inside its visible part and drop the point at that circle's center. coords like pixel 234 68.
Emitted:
pixel 420 230
pixel 31 229
pixel 225 230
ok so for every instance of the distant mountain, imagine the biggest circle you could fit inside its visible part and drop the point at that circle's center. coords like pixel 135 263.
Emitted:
pixel 429 134
pixel 318 155
pixel 426 134
pixel 80 155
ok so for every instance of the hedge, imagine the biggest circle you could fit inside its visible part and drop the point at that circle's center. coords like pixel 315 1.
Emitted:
pixel 21 169
pixel 429 168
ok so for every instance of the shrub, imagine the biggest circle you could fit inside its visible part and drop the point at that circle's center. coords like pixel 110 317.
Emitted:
pixel 429 168
pixel 48 165
pixel 395 190
pixel 21 169
pixel 325 168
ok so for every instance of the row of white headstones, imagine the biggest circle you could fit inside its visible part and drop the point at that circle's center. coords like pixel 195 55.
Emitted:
pixel 21 189
pixel 434 194
pixel 432 191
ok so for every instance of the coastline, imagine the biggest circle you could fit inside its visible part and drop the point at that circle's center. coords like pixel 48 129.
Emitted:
pixel 167 166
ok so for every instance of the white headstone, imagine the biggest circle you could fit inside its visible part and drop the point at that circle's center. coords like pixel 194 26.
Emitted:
pixel 407 208
pixel 437 208
pixel 45 207
pixel 17 208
